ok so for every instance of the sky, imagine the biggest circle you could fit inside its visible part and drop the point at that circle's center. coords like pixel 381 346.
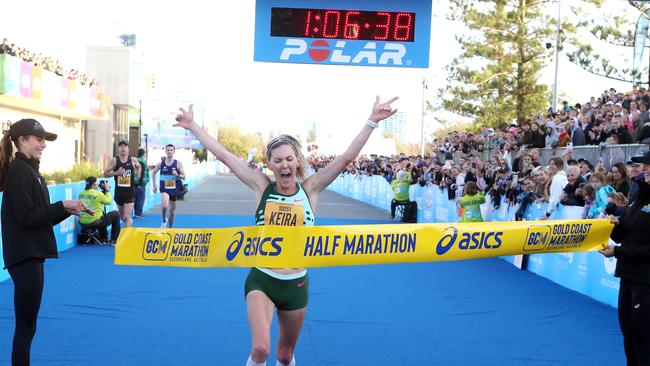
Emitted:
pixel 204 51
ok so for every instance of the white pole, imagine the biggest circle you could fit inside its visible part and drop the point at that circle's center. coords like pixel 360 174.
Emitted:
pixel 424 86
pixel 557 54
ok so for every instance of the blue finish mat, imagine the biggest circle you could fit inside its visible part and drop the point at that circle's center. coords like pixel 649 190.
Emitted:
pixel 481 312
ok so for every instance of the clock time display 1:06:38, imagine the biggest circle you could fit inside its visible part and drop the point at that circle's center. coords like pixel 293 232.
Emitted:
pixel 343 24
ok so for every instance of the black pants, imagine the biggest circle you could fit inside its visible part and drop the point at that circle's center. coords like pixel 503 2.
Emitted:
pixel 634 319
pixel 28 291
pixel 110 218
pixel 410 210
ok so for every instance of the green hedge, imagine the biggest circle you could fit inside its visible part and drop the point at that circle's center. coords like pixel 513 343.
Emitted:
pixel 78 172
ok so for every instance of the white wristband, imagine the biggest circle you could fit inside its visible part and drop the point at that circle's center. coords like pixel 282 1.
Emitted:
pixel 372 124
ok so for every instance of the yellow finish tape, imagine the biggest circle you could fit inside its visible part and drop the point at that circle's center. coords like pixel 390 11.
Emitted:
pixel 317 246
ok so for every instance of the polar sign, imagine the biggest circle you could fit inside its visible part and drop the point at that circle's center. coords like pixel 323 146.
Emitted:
pixel 362 33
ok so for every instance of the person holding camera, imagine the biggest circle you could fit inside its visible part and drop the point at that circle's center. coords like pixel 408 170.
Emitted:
pixel 96 195
pixel 401 186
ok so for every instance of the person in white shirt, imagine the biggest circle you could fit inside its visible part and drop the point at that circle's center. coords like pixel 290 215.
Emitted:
pixel 558 182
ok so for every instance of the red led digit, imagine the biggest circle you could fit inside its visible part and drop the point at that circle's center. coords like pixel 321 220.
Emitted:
pixel 337 16
pixel 383 35
pixel 308 23
pixel 402 28
pixel 350 30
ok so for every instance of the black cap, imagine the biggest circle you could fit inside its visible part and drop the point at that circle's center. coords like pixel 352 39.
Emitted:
pixel 30 126
pixel 123 142
pixel 642 159
pixel 90 181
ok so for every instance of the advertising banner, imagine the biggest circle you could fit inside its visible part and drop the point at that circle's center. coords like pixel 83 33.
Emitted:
pixel 316 246
pixel 25 80
pixel 37 84
pixel 158 119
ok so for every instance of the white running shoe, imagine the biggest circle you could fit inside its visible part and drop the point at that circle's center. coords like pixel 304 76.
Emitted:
pixel 164 224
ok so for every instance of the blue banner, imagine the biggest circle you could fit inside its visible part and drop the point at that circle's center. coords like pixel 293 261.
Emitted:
pixel 588 273
pixel 66 232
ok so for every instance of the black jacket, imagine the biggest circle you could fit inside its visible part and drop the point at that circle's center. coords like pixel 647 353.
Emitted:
pixel 572 199
pixel 27 215
pixel 633 232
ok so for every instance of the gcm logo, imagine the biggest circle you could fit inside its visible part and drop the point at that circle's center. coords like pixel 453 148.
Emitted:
pixel 156 246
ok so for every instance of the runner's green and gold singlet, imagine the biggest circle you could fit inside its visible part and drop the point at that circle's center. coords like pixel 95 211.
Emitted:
pixel 280 210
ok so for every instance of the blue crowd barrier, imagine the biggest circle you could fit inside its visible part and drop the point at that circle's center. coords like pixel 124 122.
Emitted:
pixel 66 232
pixel 588 273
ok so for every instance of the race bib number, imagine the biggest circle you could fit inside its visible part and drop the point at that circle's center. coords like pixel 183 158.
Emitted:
pixel 124 180
pixel 170 184
pixel 284 214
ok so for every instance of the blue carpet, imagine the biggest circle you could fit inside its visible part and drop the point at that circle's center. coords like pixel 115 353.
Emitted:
pixel 483 312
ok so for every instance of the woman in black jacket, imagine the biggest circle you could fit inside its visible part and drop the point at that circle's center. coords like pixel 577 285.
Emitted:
pixel 27 225
pixel 632 230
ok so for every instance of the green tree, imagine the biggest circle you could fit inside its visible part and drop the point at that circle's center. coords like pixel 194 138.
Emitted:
pixel 494 80
pixel 614 31
pixel 311 135
pixel 240 143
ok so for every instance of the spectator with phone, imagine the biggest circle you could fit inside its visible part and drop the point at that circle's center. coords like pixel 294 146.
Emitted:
pixel 95 196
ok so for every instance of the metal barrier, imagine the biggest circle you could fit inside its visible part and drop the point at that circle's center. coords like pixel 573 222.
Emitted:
pixel 610 154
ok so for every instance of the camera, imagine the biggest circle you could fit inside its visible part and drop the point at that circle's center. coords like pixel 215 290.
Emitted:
pixel 102 185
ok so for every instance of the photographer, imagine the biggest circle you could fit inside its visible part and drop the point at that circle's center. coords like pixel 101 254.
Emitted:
pixel 401 197
pixel 94 199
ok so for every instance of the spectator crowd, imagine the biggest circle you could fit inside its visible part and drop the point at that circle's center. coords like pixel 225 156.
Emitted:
pixel 514 172
pixel 47 63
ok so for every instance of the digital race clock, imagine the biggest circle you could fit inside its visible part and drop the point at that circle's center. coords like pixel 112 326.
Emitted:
pixel 368 33
pixel 343 24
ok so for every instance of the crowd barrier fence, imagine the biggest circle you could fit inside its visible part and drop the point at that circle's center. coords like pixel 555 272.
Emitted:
pixel 610 154
pixel 588 273
pixel 66 232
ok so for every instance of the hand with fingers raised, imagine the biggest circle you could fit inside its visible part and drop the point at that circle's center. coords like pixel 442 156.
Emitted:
pixel 381 110
pixel 185 118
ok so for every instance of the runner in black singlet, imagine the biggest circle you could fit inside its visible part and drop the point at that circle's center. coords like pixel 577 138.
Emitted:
pixel 125 169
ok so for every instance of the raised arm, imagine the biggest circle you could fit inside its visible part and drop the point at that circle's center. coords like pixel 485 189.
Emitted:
pixel 317 182
pixel 254 179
